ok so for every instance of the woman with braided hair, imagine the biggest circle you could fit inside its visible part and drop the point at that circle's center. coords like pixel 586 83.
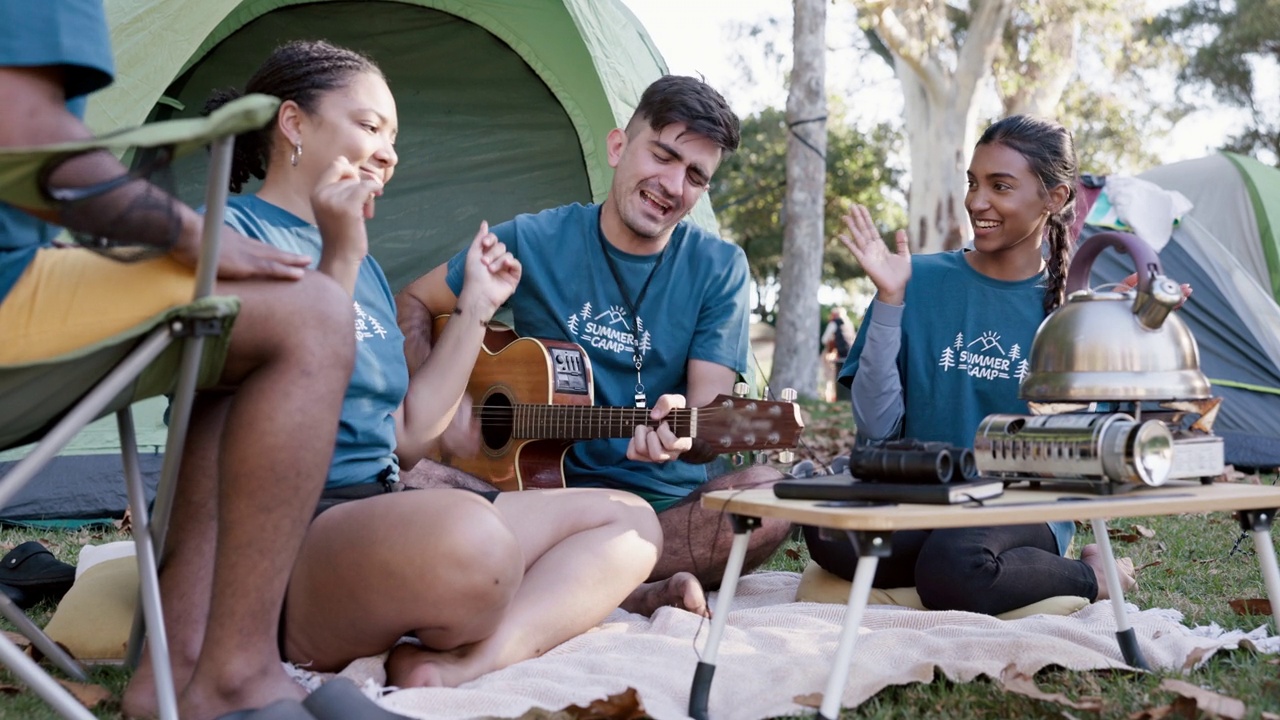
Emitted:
pixel 945 343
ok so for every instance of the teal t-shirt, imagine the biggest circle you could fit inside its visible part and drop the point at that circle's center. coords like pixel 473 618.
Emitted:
pixel 965 340
pixel 695 307
pixel 366 430
pixel 68 34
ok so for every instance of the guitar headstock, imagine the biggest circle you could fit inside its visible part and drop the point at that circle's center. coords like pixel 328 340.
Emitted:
pixel 737 424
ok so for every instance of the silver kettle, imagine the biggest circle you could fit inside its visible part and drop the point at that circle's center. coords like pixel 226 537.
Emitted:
pixel 1111 345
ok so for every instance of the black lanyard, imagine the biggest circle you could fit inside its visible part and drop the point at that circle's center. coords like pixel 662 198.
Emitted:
pixel 633 308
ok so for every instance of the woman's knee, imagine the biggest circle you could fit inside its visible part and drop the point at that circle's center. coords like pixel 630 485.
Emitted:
pixel 480 550
pixel 632 512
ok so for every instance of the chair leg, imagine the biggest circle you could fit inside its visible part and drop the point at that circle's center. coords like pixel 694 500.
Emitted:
pixel 42 642
pixel 175 443
pixel 46 687
pixel 148 579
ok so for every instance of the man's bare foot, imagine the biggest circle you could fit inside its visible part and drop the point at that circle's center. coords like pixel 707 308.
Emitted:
pixel 681 590
pixel 195 702
pixel 1091 555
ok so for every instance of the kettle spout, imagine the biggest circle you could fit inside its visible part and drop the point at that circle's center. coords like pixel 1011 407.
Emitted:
pixel 1151 308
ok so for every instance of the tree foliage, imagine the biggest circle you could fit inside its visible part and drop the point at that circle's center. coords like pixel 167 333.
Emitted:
pixel 749 187
pixel 1230 43
pixel 1087 64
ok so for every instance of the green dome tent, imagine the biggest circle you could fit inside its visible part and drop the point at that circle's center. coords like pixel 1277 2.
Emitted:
pixel 1226 247
pixel 504 107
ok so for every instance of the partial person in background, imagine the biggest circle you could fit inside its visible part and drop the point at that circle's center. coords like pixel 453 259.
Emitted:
pixel 837 338
pixel 937 352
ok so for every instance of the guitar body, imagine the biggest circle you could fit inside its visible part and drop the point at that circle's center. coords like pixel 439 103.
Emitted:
pixel 514 371
pixel 534 398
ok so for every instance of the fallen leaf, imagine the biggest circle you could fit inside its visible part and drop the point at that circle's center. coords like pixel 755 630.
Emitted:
pixel 1144 531
pixel 1251 606
pixel 18 639
pixel 88 695
pixel 1206 701
pixel 1157 713
pixel 1194 657
pixel 625 705
pixel 1018 682
pixel 1153 563
pixel 10 690
pixel 791 553
pixel 812 700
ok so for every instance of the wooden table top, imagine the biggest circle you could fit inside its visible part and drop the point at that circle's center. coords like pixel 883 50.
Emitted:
pixel 1016 506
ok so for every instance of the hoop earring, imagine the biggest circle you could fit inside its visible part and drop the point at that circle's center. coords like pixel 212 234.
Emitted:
pixel 297 153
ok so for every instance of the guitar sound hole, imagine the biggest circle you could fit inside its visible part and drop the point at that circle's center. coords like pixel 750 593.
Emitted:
pixel 496 421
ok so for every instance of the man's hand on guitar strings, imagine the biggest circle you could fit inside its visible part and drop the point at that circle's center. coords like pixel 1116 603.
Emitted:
pixel 659 444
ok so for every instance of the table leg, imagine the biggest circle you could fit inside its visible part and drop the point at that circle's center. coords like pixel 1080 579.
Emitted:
pixel 1258 524
pixel 706 669
pixel 871 547
pixel 1125 635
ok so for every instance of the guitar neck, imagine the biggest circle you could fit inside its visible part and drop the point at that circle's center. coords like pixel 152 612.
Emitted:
pixel 583 422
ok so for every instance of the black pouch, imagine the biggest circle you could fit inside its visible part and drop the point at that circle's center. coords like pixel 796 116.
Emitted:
pixel 30 573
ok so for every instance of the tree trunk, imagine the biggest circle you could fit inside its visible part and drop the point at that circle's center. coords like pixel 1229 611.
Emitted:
pixel 795 358
pixel 939 81
pixel 940 124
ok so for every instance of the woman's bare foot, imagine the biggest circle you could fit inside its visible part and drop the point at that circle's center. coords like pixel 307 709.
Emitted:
pixel 681 590
pixel 1091 555
pixel 409 665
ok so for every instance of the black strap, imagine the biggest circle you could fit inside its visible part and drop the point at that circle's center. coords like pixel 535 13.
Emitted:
pixel 634 308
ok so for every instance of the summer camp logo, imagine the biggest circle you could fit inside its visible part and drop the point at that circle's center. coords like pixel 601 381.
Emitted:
pixel 984 358
pixel 610 330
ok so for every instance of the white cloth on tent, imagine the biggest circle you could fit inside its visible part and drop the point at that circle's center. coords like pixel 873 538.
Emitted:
pixel 1141 207
pixel 775 651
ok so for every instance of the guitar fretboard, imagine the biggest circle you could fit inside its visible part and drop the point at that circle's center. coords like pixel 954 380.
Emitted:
pixel 584 422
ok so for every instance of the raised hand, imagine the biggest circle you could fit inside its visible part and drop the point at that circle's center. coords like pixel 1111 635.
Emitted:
pixel 890 271
pixel 659 444
pixel 492 274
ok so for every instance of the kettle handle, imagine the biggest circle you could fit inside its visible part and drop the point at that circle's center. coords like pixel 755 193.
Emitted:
pixel 1145 260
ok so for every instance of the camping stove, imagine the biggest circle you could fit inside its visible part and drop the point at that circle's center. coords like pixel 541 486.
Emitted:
pixel 1118 350
pixel 1095 451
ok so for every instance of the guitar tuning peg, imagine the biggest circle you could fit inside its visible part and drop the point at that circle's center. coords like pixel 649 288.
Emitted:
pixel 738 459
pixel 786 457
pixel 740 389
pixel 788 394
pixel 759 457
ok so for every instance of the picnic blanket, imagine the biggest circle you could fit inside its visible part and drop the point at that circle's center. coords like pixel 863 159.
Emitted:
pixel 775 650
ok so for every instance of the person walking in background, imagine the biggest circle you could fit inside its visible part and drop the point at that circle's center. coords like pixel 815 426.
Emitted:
pixel 837 338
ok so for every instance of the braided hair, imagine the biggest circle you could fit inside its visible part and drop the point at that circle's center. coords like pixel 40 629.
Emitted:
pixel 301 71
pixel 1051 153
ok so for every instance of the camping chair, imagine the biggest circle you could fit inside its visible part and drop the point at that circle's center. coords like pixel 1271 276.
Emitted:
pixel 51 400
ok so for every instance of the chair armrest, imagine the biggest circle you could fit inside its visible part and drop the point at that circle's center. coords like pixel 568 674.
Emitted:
pixel 20 167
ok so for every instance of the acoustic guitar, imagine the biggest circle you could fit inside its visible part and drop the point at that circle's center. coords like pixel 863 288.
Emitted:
pixel 534 398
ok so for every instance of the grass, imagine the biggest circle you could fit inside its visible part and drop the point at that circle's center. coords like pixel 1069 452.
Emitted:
pixel 1189 563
